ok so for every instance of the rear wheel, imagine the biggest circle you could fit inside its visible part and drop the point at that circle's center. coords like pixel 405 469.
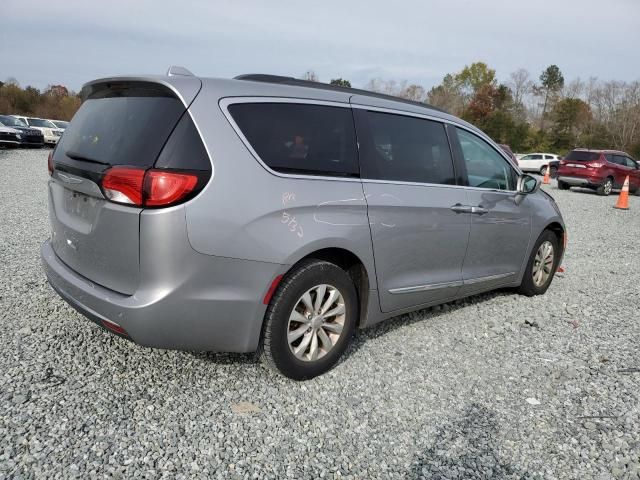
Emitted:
pixel 563 185
pixel 543 170
pixel 606 187
pixel 541 266
pixel 553 172
pixel 310 320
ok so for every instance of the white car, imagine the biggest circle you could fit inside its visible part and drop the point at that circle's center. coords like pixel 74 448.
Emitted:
pixel 537 162
pixel 51 133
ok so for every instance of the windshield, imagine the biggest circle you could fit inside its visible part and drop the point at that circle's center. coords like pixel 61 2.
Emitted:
pixel 11 122
pixel 582 156
pixel 38 122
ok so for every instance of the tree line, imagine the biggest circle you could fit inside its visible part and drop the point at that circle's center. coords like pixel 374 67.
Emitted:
pixel 55 102
pixel 529 114
pixel 545 113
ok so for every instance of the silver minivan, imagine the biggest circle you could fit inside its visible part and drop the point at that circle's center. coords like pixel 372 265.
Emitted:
pixel 276 215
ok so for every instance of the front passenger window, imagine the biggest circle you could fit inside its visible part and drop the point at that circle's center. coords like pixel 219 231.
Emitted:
pixel 486 168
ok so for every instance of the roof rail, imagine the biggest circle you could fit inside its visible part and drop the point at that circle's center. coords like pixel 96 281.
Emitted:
pixel 266 78
pixel 176 70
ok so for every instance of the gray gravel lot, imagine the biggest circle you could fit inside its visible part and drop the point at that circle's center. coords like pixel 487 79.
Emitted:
pixel 466 390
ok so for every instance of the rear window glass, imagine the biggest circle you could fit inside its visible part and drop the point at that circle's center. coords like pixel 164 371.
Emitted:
pixel 300 138
pixel 122 124
pixel 406 149
pixel 581 156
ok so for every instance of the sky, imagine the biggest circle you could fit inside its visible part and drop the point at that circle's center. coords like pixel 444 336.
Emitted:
pixel 71 42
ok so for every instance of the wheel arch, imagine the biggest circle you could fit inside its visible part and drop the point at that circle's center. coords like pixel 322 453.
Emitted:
pixel 351 263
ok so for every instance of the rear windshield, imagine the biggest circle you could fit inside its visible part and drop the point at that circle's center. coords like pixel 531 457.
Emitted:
pixel 582 156
pixel 122 124
pixel 300 138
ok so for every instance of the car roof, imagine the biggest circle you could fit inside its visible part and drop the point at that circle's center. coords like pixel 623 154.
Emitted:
pixel 600 150
pixel 264 85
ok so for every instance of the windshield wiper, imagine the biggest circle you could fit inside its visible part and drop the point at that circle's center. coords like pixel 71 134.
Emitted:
pixel 77 156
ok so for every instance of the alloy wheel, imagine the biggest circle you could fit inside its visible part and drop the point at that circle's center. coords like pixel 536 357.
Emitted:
pixel 316 323
pixel 543 264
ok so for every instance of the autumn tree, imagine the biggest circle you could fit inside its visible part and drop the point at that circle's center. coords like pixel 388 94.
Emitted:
pixel 340 82
pixel 551 82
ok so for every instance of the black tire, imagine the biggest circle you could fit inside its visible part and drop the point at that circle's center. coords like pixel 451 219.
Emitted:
pixel 563 185
pixel 528 287
pixel 543 170
pixel 554 172
pixel 605 189
pixel 274 349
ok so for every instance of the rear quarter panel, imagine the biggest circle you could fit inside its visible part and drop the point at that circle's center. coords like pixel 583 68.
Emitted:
pixel 247 212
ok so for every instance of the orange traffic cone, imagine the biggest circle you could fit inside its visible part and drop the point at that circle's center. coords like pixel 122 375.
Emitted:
pixel 547 174
pixel 623 199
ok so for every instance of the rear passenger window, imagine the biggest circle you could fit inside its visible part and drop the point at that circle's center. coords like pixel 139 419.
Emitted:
pixel 402 148
pixel 300 138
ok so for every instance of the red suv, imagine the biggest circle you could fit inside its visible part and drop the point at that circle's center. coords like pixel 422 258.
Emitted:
pixel 600 170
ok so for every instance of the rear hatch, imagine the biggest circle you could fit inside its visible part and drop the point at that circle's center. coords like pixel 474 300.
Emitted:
pixel 580 163
pixel 120 123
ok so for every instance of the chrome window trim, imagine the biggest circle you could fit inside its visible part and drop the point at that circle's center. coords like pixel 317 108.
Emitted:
pixel 439 185
pixel 224 104
pixel 456 283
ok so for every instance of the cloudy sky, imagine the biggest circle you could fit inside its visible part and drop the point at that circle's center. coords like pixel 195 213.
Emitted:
pixel 72 41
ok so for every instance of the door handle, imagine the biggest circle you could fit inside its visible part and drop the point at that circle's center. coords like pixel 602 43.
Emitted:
pixel 479 210
pixel 458 208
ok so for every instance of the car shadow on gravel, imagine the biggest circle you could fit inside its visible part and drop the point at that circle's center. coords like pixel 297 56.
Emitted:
pixel 465 447
pixel 402 321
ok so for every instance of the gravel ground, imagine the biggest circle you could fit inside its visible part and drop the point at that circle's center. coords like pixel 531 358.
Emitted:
pixel 496 386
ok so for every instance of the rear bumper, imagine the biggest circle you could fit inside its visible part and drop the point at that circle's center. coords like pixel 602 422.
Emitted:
pixel 575 181
pixel 217 307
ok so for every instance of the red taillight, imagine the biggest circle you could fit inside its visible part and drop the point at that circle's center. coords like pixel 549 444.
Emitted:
pixel 50 162
pixel 164 188
pixel 123 185
pixel 563 162
pixel 147 188
pixel 595 164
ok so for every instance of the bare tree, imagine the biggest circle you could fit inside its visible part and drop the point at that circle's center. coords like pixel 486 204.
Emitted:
pixel 311 76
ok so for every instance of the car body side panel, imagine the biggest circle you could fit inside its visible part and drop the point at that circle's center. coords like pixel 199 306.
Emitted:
pixel 249 212
pixel 498 239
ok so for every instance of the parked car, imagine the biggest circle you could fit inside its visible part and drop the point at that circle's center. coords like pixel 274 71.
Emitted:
pixel 537 162
pixel 30 137
pixel 9 137
pixel 61 124
pixel 509 152
pixel 51 133
pixel 600 170
pixel 240 215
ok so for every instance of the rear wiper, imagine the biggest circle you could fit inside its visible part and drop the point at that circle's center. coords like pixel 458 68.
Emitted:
pixel 77 156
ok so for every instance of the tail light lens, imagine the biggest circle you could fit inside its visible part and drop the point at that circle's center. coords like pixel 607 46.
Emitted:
pixel 563 162
pixel 148 188
pixel 595 164
pixel 124 185
pixel 50 162
pixel 165 188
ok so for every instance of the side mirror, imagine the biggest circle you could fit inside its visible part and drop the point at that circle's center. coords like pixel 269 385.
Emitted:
pixel 527 184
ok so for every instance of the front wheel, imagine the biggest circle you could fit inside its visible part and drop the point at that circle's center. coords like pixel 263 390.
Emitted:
pixel 541 266
pixel 310 320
